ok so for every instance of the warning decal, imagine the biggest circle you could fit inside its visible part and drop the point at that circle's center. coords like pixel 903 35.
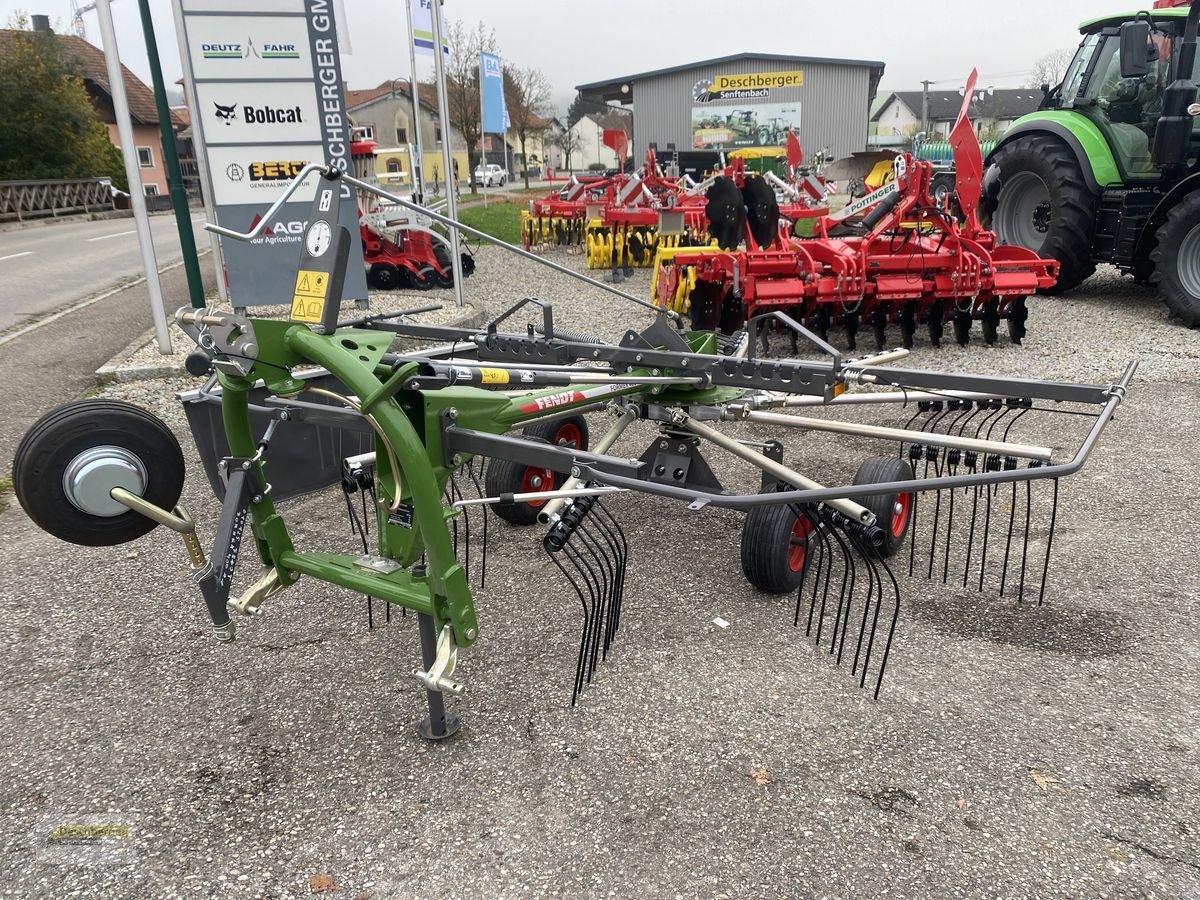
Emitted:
pixel 308 304
pixel 493 376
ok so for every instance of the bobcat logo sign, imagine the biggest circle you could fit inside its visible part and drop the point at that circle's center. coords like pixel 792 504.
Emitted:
pixel 227 114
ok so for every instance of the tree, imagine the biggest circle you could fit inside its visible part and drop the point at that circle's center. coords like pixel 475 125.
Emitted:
pixel 462 85
pixel 51 130
pixel 581 106
pixel 569 142
pixel 527 95
pixel 1051 68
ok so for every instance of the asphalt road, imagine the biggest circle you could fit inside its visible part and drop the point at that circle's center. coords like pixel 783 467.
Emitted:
pixel 48 267
pixel 1016 751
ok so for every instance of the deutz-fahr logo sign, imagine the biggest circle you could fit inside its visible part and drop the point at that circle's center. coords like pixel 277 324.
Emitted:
pixel 745 87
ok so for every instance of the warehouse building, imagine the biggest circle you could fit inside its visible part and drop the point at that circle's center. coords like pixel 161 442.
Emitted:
pixel 748 100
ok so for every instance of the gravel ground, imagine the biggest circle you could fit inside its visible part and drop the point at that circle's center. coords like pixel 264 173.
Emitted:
pixel 1015 752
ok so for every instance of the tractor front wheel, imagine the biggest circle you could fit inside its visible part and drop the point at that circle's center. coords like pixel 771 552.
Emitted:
pixel 1177 261
pixel 1046 206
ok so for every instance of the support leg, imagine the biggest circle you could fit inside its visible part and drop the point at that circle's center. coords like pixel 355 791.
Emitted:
pixel 439 724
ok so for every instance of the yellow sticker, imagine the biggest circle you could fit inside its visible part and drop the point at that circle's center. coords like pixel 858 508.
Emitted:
pixel 307 309
pixel 493 376
pixel 308 304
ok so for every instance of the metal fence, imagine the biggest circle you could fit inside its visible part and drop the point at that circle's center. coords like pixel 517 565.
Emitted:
pixel 22 200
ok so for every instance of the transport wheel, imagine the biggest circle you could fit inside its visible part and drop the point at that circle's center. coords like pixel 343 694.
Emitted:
pixel 383 277
pixel 1177 261
pixel 1045 205
pixel 506 476
pixel 73 456
pixel 893 512
pixel 775 547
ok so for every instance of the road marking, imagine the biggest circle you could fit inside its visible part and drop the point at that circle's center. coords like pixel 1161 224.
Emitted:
pixel 15 255
pixel 107 236
pixel 84 304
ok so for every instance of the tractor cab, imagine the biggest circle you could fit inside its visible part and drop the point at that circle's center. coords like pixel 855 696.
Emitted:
pixel 1118 80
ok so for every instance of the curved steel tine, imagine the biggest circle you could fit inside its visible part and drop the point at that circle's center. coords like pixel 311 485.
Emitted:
pixel 612 528
pixel 1012 520
pixel 484 549
pixel 891 633
pixel 847 552
pixel 601 594
pixel 593 587
pixel 1049 544
pixel 823 574
pixel 862 628
pixel 987 527
pixel 872 556
pixel 584 631
pixel 1025 544
pixel 608 579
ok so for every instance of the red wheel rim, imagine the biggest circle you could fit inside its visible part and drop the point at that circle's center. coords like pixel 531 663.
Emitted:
pixel 535 480
pixel 900 514
pixel 798 543
pixel 569 433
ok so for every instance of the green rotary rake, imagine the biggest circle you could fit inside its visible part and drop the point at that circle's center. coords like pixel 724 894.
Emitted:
pixel 489 424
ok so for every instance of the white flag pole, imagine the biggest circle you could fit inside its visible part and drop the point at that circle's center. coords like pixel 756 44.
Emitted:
pixel 439 65
pixel 417 176
pixel 137 195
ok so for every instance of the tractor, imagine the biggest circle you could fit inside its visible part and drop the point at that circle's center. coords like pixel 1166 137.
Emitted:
pixel 1108 169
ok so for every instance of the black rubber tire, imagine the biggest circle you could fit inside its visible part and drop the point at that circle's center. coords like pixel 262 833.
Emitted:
pixel 879 470
pixel 767 560
pixel 1182 222
pixel 383 277
pixel 1072 204
pixel 940 187
pixel 62 434
pixel 762 210
pixel 505 476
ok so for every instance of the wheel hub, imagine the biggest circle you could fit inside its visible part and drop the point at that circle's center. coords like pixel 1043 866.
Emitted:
pixel 90 477
pixel 1189 262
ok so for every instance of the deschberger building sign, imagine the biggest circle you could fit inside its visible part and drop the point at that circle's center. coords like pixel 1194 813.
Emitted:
pixel 268 85
pixel 753 86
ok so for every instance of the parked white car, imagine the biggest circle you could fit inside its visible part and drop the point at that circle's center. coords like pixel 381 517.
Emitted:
pixel 491 175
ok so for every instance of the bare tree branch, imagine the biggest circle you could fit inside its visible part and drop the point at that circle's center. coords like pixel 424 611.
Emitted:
pixel 1051 68
pixel 527 94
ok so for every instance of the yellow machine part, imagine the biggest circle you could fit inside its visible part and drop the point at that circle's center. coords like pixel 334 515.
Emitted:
pixel 883 173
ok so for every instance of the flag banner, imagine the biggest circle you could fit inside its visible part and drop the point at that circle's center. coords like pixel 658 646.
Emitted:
pixel 422 28
pixel 491 86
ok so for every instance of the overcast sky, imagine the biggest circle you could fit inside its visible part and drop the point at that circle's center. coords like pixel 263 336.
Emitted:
pixel 575 43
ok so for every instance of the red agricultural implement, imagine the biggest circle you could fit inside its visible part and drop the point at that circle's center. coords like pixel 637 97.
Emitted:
pixel 909 261
pixel 400 251
pixel 623 220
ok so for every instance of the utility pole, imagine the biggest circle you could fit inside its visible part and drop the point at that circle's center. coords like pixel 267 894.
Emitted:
pixel 925 107
pixel 183 215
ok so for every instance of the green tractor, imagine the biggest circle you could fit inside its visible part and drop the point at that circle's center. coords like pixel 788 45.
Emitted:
pixel 1108 169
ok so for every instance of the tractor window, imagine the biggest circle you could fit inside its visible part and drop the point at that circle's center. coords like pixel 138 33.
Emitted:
pixel 1074 77
pixel 1127 109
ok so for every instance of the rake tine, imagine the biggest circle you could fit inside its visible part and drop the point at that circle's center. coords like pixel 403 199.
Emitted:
pixel 608 578
pixel 891 633
pixel 599 581
pixel 987 527
pixel 914 456
pixel 937 509
pixel 862 628
pixel 620 547
pixel 479 492
pixel 872 557
pixel 824 562
pixel 848 578
pixel 584 633
pixel 1012 520
pixel 1049 544
pixel 841 644
pixel 952 469
pixel 1025 545
pixel 971 535
pixel 585 572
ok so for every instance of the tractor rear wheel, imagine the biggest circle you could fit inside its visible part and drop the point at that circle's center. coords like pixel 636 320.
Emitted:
pixel 1177 261
pixel 1046 206
pixel 775 547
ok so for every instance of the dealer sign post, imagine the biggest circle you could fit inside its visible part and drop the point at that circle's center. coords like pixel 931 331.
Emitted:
pixel 267 83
